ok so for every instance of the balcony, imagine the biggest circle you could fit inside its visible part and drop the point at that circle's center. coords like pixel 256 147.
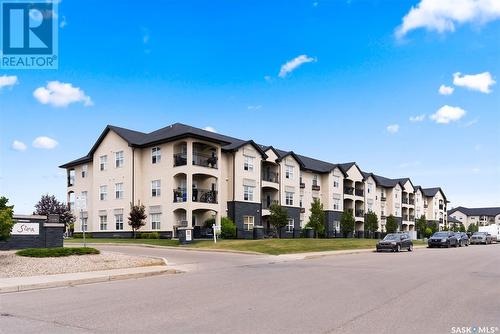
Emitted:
pixel 426 206
pixel 383 198
pixel 205 195
pixel 412 218
pixel 360 213
pixel 411 202
pixel 270 177
pixel 351 211
pixel 267 204
pixel 405 200
pixel 71 181
pixel 405 217
pixel 315 186
pixel 349 190
pixel 441 206
pixel 359 192
pixel 205 160
pixel 180 195
pixel 180 159
pixel 302 184
pixel 383 217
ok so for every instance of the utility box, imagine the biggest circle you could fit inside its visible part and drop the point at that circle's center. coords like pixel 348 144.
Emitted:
pixel 185 235
pixel 258 232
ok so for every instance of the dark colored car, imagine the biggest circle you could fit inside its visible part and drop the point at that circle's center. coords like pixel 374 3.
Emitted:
pixel 463 239
pixel 443 239
pixel 395 242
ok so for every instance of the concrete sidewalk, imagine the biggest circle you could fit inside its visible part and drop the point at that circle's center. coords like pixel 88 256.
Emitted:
pixel 16 284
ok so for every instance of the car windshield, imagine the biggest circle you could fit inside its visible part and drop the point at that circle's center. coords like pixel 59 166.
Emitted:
pixel 391 237
pixel 480 233
pixel 441 234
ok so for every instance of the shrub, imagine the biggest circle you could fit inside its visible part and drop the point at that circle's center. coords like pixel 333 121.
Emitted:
pixel 79 235
pixel 228 228
pixel 56 252
pixel 428 232
pixel 149 235
pixel 209 223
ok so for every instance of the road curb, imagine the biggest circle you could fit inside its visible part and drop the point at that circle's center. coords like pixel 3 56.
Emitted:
pixel 62 280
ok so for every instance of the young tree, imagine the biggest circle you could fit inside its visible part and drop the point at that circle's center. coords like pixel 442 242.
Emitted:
pixel 371 222
pixel 137 217
pixel 472 228
pixel 391 226
pixel 278 217
pixel 6 221
pixel 434 227
pixel 421 225
pixel 317 217
pixel 228 228
pixel 48 204
pixel 346 223
pixel 462 228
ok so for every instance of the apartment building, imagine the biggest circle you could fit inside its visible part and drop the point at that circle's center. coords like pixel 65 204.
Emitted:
pixel 478 216
pixel 432 203
pixel 185 176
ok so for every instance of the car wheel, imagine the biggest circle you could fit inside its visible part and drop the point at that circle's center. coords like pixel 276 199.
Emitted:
pixel 410 249
pixel 398 248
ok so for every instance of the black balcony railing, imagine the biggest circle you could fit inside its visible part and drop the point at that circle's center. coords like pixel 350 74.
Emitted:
pixel 302 185
pixel 180 195
pixel 412 218
pixel 205 160
pixel 349 190
pixel 267 204
pixel 359 192
pixel 360 213
pixel 315 187
pixel 405 217
pixel 383 198
pixel 180 159
pixel 411 201
pixel 71 181
pixel 383 217
pixel 405 200
pixel 270 177
pixel 204 195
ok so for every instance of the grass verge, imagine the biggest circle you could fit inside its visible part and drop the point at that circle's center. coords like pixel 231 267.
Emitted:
pixel 56 252
pixel 265 246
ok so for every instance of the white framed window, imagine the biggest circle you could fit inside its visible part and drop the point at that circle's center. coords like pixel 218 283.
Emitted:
pixel 155 155
pixel 155 221
pixel 248 164
pixel 84 224
pixel 85 169
pixel 119 221
pixel 248 223
pixel 369 188
pixel 336 204
pixel 336 181
pixel 289 172
pixel 248 193
pixel 290 224
pixel 103 193
pixel 119 190
pixel 103 162
pixel 289 198
pixel 315 180
pixel 119 159
pixel 155 188
pixel 103 222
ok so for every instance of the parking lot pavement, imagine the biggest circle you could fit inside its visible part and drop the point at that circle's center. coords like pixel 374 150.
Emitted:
pixel 429 290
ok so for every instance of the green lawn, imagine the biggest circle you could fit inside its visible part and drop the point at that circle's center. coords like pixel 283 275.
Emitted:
pixel 266 246
pixel 56 252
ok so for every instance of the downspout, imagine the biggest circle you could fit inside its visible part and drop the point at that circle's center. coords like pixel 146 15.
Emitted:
pixel 133 175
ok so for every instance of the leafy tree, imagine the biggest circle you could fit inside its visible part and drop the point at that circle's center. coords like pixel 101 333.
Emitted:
pixel 391 226
pixel 48 204
pixel 434 227
pixel 317 217
pixel 462 228
pixel 428 232
pixel 137 217
pixel 228 228
pixel 346 223
pixel 472 228
pixel 421 226
pixel 371 222
pixel 278 217
pixel 6 221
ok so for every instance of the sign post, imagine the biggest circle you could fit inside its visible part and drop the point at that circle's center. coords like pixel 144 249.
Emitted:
pixel 81 205
pixel 216 229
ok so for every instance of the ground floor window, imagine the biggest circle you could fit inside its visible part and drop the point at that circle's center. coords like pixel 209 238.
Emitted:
pixel 155 221
pixel 290 225
pixel 248 222
pixel 103 222
pixel 119 221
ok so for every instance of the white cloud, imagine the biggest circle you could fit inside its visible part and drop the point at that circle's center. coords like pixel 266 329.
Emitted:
pixel 209 128
pixel 446 90
pixel 63 23
pixel 443 15
pixel 480 82
pixel 60 94
pixel 418 118
pixel 393 128
pixel 45 143
pixel 18 145
pixel 447 114
pixel 257 107
pixel 8 81
pixel 293 64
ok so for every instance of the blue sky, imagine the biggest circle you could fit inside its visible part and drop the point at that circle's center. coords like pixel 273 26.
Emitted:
pixel 367 67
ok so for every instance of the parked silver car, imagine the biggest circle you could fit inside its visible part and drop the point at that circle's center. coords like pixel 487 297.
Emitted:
pixel 481 238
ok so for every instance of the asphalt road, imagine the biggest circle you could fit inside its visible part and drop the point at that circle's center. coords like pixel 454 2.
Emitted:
pixel 427 291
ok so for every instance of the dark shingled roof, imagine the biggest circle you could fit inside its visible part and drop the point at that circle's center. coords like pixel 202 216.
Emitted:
pixel 453 220
pixel 492 211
